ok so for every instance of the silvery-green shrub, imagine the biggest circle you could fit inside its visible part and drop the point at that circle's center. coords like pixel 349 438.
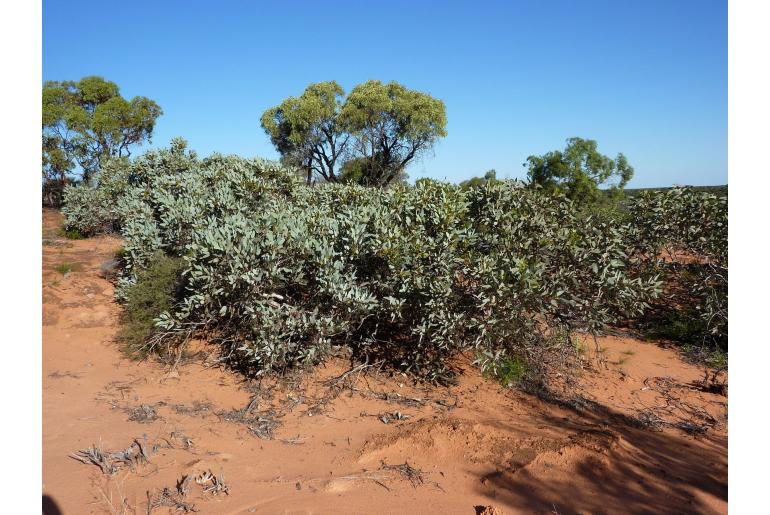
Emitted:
pixel 280 273
pixel 682 234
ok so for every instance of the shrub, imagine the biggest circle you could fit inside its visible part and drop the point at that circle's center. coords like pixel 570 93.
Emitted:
pixel 155 290
pixel 508 371
pixel 409 275
pixel 280 273
pixel 87 210
pixel 72 234
pixel 681 234
pixel 67 268
pixel 104 207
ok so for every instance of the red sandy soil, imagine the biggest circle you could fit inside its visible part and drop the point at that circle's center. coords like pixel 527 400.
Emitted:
pixel 478 446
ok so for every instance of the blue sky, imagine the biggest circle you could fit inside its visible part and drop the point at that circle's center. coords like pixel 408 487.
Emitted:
pixel 646 78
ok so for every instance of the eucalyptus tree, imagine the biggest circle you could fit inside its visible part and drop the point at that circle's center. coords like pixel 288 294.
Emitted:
pixel 376 131
pixel 306 130
pixel 579 170
pixel 86 122
pixel 392 126
pixel 56 165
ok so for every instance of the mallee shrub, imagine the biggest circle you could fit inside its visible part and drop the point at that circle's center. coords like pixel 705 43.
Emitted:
pixel 280 273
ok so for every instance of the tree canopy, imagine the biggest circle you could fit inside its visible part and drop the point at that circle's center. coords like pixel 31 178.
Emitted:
pixel 392 126
pixel 579 170
pixel 88 121
pixel 474 182
pixel 306 130
pixel 378 129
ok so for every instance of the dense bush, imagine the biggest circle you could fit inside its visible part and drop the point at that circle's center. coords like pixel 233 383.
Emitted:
pixel 87 210
pixel 105 208
pixel 684 233
pixel 280 273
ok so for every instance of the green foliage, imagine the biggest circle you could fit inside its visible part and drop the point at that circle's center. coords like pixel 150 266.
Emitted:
pixel 56 165
pixel 355 171
pixel 375 132
pixel 72 234
pixel 392 125
pixel 719 191
pixel 87 122
pixel 306 130
pixel 280 273
pixel 682 324
pixel 359 171
pixel 103 207
pixel 508 371
pixel 578 171
pixel 154 292
pixel 716 358
pixel 64 268
pixel 475 182
pixel 87 210
pixel 681 234
pixel 67 267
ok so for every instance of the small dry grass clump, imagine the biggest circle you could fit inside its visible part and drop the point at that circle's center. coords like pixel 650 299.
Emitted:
pixel 111 462
pixel 144 414
pixel 168 498
pixel 488 510
pixel 261 425
pixel 67 268
pixel 197 408
pixel 134 456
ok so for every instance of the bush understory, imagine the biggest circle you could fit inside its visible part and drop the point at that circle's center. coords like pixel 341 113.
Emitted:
pixel 281 274
pixel 154 292
pixel 72 234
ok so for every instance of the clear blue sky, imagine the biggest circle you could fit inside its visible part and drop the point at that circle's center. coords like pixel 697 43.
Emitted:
pixel 646 78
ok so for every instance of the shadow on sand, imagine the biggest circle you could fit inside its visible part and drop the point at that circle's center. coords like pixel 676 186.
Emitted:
pixel 651 472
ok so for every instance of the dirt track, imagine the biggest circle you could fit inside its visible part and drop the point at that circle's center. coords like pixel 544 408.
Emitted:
pixel 475 444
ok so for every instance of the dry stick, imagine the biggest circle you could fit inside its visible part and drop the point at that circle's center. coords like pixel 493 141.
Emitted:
pixel 253 402
pixel 372 476
pixel 599 356
pixel 336 380
pixel 381 484
pixel 293 441
pixel 414 475
pixel 663 386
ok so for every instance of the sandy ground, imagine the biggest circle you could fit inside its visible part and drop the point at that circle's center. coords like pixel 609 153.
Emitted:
pixel 475 444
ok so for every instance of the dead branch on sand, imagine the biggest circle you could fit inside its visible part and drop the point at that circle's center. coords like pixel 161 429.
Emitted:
pixel 688 417
pixel 408 472
pixel 168 498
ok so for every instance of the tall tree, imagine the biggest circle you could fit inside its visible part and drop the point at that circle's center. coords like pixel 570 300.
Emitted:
pixel 379 129
pixel 56 166
pixel 579 170
pixel 306 130
pixel 392 126
pixel 88 121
